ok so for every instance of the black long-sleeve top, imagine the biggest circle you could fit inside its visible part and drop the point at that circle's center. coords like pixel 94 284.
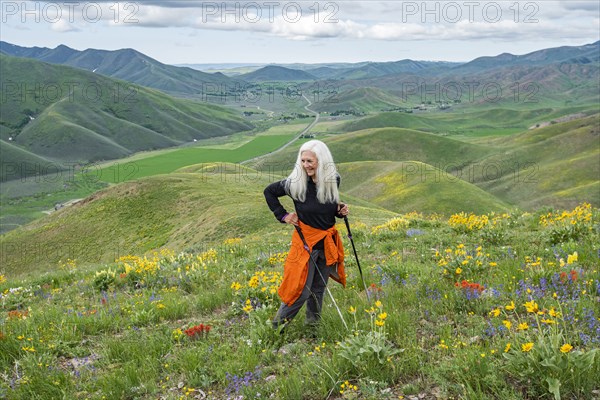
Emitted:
pixel 310 212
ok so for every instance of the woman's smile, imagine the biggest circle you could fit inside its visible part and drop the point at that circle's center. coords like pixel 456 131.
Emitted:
pixel 310 163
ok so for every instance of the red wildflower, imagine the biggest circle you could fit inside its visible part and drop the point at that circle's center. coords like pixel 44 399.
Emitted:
pixel 563 277
pixel 16 314
pixel 470 286
pixel 197 331
pixel 573 275
pixel 373 288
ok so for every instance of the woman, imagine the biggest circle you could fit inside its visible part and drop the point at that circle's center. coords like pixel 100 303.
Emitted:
pixel 313 186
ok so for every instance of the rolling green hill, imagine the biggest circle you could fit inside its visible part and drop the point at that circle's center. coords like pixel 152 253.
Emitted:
pixel 67 115
pixel 194 208
pixel 18 162
pixel 272 73
pixel 413 186
pixel 557 165
pixel 361 100
pixel 472 123
pixel 393 119
pixel 379 69
pixel 394 144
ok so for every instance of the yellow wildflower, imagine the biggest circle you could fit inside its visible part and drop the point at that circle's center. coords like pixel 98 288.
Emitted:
pixel 248 306
pixel 531 306
pixel 565 348
pixel 254 282
pixel 526 347
pixel 523 326
pixel 495 312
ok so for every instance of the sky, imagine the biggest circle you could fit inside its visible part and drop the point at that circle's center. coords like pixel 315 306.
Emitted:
pixel 263 32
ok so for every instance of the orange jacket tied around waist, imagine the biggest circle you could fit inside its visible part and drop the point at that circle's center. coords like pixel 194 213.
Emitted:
pixel 295 270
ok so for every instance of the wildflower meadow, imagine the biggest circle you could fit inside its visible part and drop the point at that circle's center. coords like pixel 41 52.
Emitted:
pixel 497 306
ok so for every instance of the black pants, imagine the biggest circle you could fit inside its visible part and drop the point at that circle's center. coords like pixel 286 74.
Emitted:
pixel 312 294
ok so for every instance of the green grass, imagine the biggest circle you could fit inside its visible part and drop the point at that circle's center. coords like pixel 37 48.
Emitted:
pixel 122 171
pixel 407 186
pixel 116 330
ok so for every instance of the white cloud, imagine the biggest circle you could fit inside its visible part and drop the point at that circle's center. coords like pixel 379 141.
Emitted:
pixel 367 20
pixel 359 27
pixel 63 26
pixel 307 29
pixel 505 30
pixel 390 31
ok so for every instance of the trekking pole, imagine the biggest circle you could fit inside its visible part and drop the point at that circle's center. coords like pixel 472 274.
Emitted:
pixel 356 256
pixel 320 274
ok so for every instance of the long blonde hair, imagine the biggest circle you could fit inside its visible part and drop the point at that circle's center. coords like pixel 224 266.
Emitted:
pixel 327 189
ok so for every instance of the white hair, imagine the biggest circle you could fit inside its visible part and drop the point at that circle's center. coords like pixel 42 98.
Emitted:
pixel 327 189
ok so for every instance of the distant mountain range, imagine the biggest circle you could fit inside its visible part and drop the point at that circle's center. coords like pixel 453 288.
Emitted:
pixel 586 54
pixel 126 64
pixel 553 85
pixel 135 67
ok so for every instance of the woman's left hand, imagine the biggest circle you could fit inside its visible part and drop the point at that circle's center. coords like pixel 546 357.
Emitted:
pixel 343 209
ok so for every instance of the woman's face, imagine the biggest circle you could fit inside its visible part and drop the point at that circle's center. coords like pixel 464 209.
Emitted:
pixel 309 163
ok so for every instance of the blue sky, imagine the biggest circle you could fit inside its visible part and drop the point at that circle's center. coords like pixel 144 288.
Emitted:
pixel 178 32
